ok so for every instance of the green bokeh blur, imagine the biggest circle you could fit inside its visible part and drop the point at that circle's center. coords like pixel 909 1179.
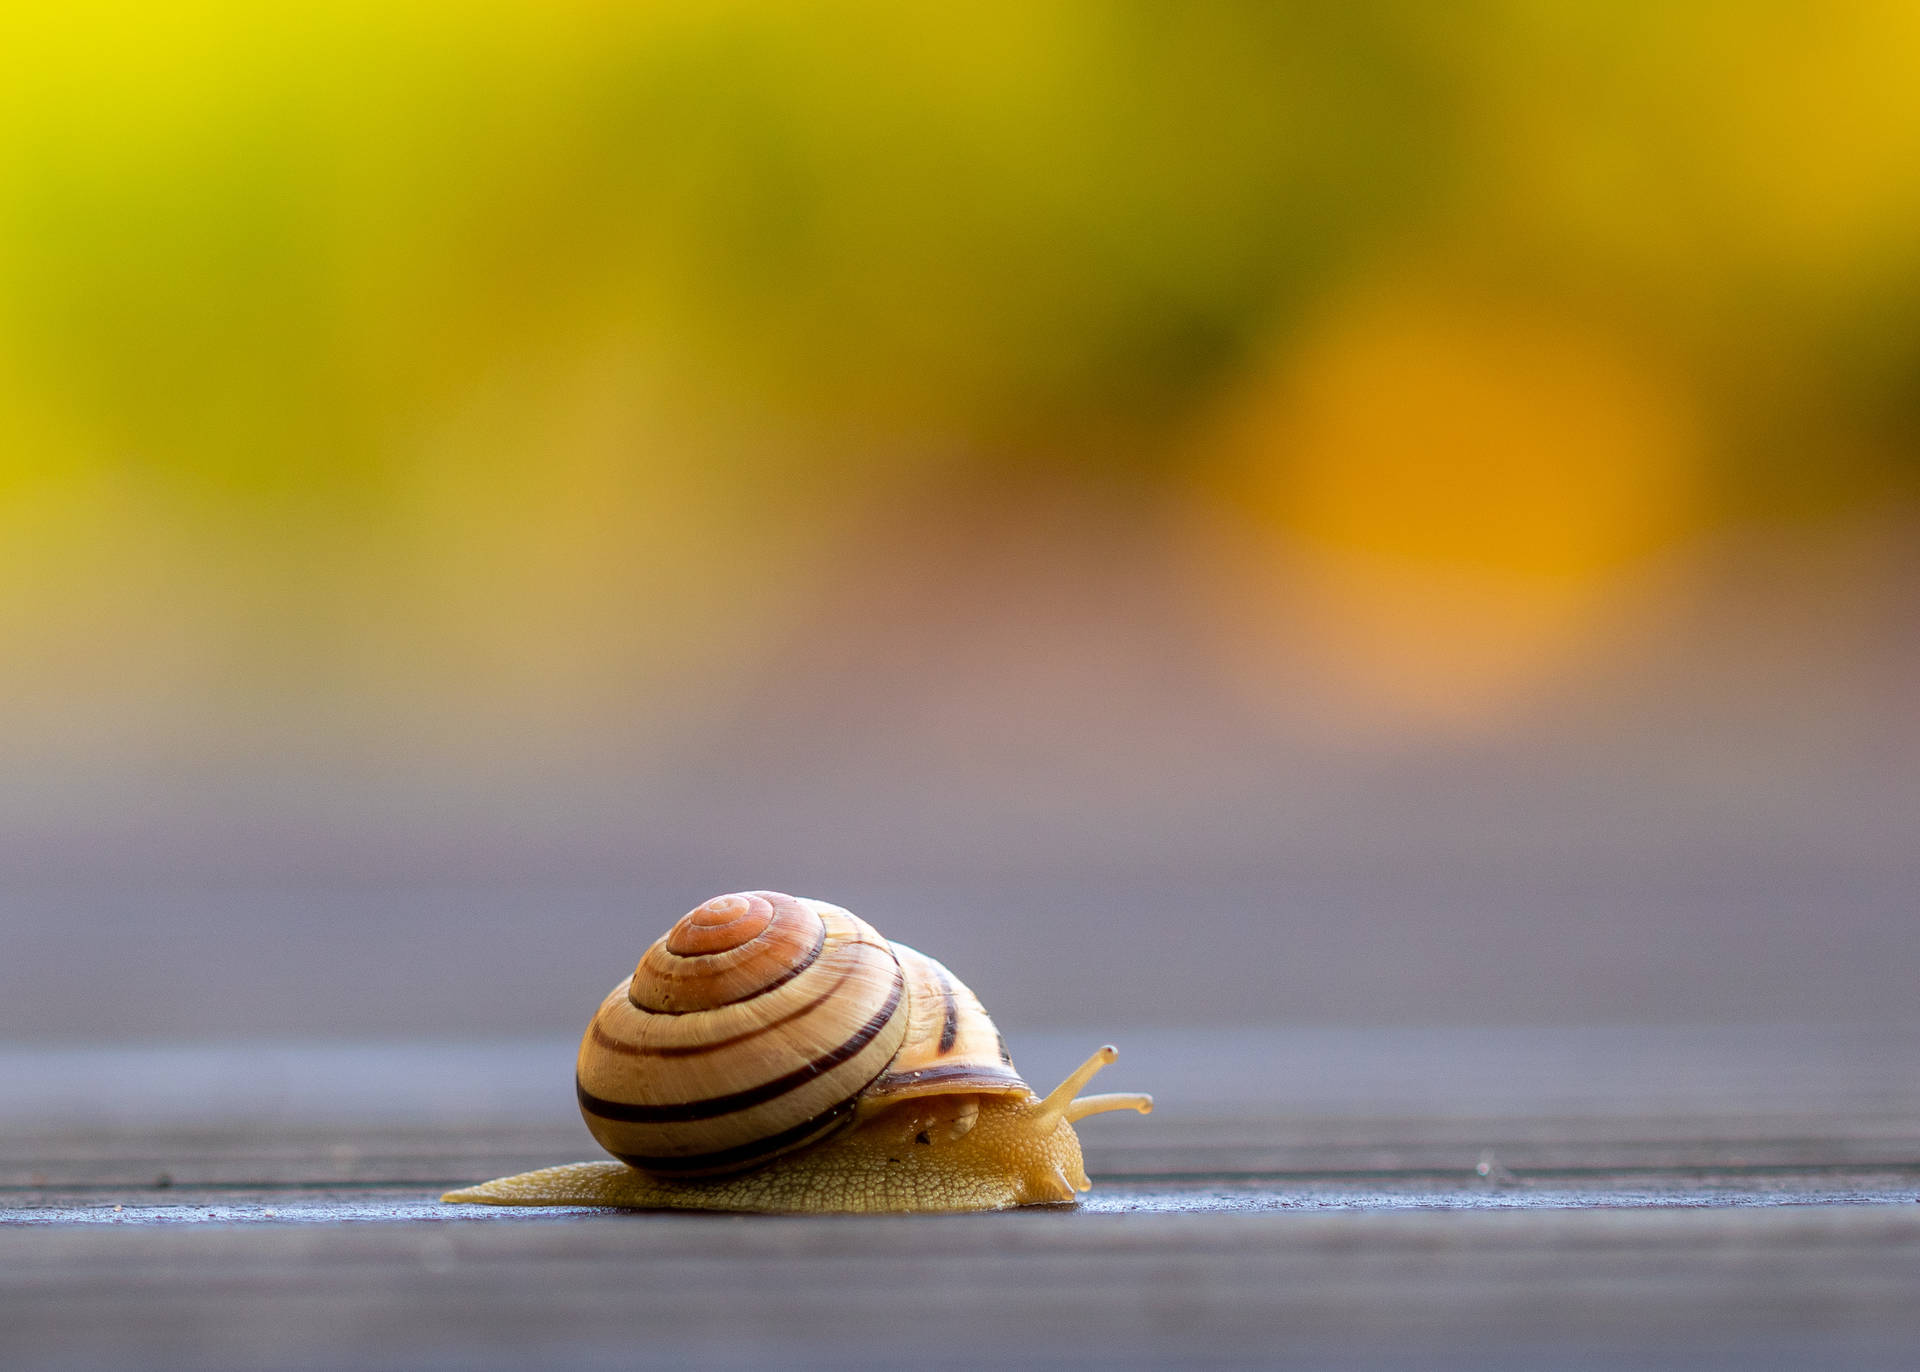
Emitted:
pixel 363 353
pixel 1376 482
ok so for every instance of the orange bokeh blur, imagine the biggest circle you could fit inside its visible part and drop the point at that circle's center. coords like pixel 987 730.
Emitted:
pixel 1434 496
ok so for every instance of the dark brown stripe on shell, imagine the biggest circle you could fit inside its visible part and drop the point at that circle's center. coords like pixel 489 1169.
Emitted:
pixel 746 1154
pixel 949 1027
pixel 773 985
pixel 633 1050
pixel 973 1074
pixel 1005 1056
pixel 714 1106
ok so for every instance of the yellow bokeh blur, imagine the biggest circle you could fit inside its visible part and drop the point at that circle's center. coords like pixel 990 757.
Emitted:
pixel 428 367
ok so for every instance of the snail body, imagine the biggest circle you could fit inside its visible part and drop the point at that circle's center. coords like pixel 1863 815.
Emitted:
pixel 773 1053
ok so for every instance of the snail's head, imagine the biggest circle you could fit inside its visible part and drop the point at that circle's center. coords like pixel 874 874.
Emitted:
pixel 1033 1137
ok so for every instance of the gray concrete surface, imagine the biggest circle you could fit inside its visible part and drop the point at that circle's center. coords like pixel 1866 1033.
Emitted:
pixel 1408 1199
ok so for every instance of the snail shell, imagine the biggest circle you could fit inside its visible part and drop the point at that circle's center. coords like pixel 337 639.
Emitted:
pixel 760 1023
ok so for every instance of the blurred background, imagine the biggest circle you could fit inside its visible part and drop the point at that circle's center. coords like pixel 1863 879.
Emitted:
pixel 1193 515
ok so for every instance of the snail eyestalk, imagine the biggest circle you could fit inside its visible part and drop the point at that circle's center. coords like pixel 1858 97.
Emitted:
pixel 1060 1101
pixel 1099 1105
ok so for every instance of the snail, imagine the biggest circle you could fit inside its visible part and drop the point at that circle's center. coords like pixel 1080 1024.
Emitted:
pixel 774 1053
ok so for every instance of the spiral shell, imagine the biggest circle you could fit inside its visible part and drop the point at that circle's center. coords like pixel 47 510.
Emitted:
pixel 760 1023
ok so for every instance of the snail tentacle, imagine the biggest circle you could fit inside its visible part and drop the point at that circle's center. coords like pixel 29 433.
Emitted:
pixel 1061 1096
pixel 1080 1108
